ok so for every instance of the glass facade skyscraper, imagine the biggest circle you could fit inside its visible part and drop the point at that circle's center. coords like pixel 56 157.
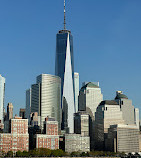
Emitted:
pixel 2 93
pixel 46 98
pixel 64 68
pixel 28 104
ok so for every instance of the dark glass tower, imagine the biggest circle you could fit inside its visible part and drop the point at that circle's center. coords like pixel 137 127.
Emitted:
pixel 64 68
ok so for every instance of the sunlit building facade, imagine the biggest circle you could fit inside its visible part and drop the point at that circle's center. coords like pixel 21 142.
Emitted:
pixel 2 94
pixel 64 68
pixel 76 85
pixel 46 98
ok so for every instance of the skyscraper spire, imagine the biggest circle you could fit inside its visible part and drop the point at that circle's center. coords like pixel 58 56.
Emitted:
pixel 64 15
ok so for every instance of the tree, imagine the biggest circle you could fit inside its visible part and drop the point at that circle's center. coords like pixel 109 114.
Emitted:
pixel 25 154
pixel 75 153
pixel 19 154
pixel 10 154
pixel 58 153
pixel 83 154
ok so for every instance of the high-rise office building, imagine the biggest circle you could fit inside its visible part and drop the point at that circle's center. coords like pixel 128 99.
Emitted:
pixel 22 113
pixel 64 68
pixel 28 104
pixel 2 93
pixel 125 103
pixel 82 123
pixel 8 117
pixel 46 98
pixel 35 99
pixel 76 85
pixel 90 97
pixel 123 138
pixel 107 113
pixel 9 111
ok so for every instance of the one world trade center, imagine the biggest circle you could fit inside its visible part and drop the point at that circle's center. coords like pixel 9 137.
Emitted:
pixel 64 68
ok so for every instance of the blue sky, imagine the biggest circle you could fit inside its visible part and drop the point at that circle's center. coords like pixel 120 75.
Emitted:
pixel 107 44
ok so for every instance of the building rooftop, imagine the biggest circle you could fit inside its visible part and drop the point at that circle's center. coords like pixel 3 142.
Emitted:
pixel 108 102
pixel 90 84
pixel 64 31
pixel 121 96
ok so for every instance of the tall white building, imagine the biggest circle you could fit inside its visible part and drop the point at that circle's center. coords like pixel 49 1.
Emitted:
pixel 90 97
pixel 107 113
pixel 46 98
pixel 76 86
pixel 125 103
pixel 28 104
pixel 123 138
pixel 2 94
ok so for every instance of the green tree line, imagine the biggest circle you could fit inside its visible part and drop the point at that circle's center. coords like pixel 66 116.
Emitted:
pixel 43 152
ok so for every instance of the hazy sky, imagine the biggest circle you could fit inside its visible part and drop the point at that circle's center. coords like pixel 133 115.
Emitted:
pixel 107 44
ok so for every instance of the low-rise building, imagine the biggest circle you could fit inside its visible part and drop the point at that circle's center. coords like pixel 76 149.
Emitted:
pixel 18 139
pixel 51 126
pixel 47 141
pixel 50 139
pixel 123 138
pixel 76 142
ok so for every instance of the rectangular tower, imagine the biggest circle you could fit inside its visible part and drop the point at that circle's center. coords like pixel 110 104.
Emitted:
pixel 9 111
pixel 2 93
pixel 64 68
pixel 28 104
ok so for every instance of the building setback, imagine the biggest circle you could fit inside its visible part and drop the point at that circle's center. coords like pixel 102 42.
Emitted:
pixel 90 97
pixel 108 113
pixel 125 103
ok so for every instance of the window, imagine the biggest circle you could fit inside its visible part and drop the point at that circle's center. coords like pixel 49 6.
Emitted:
pixel 87 91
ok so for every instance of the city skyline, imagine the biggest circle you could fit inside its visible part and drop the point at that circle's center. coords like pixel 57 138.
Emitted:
pixel 115 45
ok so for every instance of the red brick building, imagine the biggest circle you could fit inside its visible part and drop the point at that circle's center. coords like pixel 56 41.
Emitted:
pixel 18 139
pixel 51 126
pixel 50 139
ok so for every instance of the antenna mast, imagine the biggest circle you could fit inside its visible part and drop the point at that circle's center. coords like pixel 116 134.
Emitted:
pixel 64 15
